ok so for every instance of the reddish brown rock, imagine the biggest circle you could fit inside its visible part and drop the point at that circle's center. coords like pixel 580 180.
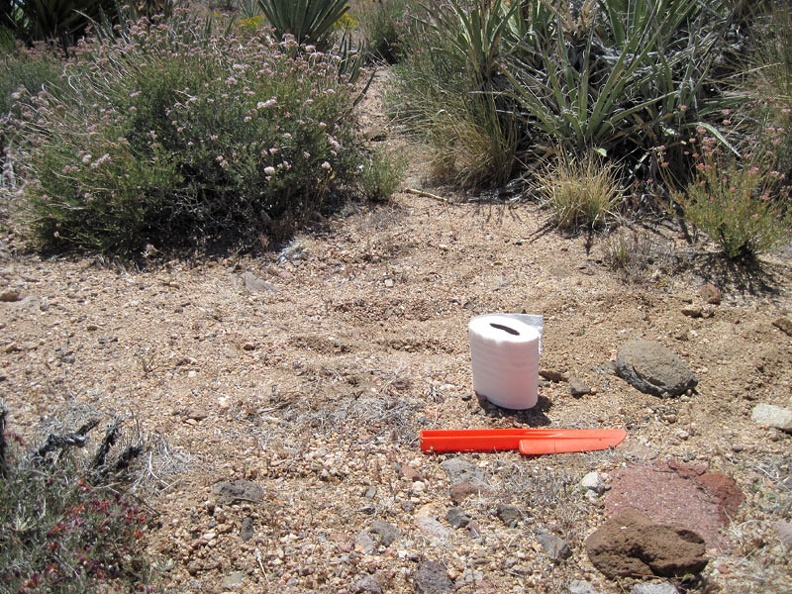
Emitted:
pixel 710 294
pixel 462 490
pixel 677 493
pixel 631 545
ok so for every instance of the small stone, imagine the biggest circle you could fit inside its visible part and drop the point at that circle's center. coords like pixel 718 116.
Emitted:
pixel 254 284
pixel 772 416
pixel 410 473
pixel 784 531
pixel 593 482
pixel 552 375
pixel 10 295
pixel 432 578
pixel 457 517
pixel 693 311
pixel 511 515
pixel 784 324
pixel 238 490
pixel 389 282
pixel 463 490
pixel 554 547
pixel 385 532
pixel 232 580
pixel 364 543
pixel 460 470
pixel 581 587
pixel 578 388
pixel 664 588
pixel 432 527
pixel 710 294
pixel 368 584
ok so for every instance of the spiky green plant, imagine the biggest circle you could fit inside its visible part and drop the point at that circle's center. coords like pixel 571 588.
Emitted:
pixel 309 21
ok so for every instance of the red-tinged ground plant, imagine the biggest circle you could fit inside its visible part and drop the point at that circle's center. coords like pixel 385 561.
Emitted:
pixel 63 528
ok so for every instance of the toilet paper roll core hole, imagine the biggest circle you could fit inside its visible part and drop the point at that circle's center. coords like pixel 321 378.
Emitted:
pixel 511 331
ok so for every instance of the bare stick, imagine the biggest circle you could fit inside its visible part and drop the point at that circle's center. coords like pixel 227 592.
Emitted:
pixel 426 195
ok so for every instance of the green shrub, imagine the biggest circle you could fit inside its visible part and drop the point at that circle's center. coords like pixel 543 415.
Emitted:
pixel 61 531
pixel 449 89
pixel 618 77
pixel 381 175
pixel 581 193
pixel 387 26
pixel 22 70
pixel 739 203
pixel 182 137
pixel 769 85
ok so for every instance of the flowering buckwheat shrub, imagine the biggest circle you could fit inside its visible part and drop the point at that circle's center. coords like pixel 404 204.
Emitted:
pixel 178 136
pixel 741 203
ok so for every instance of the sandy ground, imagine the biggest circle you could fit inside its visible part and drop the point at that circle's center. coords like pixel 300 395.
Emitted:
pixel 311 375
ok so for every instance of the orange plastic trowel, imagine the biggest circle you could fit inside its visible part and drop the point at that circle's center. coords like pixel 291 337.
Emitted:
pixel 530 442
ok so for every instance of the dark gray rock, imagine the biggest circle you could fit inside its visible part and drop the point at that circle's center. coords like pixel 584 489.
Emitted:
pixel 460 470
pixel 384 532
pixel 457 517
pixel 432 578
pixel 238 490
pixel 651 368
pixel 509 514
pixel 631 545
pixel 246 531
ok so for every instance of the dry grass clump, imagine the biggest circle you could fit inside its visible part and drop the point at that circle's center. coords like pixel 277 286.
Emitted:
pixel 580 193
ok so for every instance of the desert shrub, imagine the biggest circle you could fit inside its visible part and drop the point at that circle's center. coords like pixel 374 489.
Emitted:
pixel 181 136
pixel 613 76
pixel 450 90
pixel 61 529
pixel 580 193
pixel 386 26
pixel 740 202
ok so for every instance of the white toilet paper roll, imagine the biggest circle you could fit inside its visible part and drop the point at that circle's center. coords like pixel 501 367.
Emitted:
pixel 504 354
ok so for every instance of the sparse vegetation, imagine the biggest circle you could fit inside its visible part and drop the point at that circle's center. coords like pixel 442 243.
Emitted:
pixel 580 193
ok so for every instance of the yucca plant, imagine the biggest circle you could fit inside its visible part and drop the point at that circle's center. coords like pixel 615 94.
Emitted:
pixel 620 79
pixel 309 21
pixel 474 34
